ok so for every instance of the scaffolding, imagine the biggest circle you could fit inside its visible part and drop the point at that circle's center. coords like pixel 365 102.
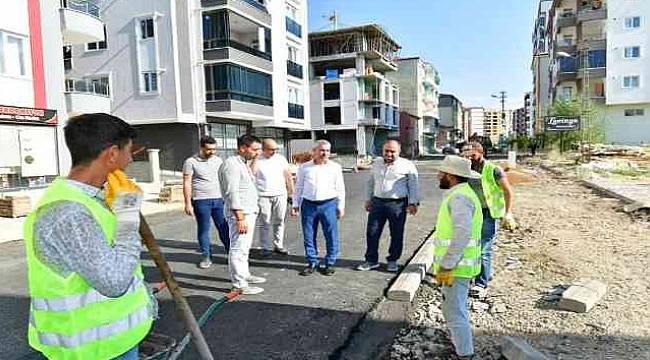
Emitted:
pixel 359 39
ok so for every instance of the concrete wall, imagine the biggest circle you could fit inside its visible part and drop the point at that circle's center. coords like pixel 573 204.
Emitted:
pixel 630 130
pixel 176 142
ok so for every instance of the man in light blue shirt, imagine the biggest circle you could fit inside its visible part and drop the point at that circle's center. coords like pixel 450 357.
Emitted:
pixel 392 193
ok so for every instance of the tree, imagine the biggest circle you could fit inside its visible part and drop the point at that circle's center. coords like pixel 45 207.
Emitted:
pixel 591 127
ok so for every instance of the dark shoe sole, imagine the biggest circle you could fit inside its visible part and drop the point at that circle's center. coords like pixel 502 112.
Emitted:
pixel 308 271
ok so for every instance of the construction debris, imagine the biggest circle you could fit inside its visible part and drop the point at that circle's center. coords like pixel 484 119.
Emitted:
pixel 582 296
pixel 171 193
pixel 15 206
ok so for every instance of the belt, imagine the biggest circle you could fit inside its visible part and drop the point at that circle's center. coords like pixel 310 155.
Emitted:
pixel 389 200
pixel 318 202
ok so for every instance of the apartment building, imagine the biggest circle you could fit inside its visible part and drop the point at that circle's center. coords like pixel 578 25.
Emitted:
pixel 177 70
pixel 451 120
pixel 540 65
pixel 32 104
pixel 418 83
pixel 353 102
pixel 475 120
pixel 598 56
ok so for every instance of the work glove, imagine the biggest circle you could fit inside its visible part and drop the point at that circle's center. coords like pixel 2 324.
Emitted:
pixel 124 197
pixel 445 277
pixel 508 222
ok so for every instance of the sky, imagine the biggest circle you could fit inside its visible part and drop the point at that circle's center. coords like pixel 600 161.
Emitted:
pixel 479 47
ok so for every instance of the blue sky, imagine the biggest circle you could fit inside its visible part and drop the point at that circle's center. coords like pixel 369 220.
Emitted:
pixel 478 46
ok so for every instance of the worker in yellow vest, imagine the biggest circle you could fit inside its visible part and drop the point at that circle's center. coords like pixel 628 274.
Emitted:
pixel 457 249
pixel 496 197
pixel 88 297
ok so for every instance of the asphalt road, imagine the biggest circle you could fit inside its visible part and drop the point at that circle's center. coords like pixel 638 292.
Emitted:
pixel 295 318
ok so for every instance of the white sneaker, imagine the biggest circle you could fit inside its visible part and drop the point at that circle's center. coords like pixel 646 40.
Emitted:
pixel 366 266
pixel 251 290
pixel 205 263
pixel 478 292
pixel 255 279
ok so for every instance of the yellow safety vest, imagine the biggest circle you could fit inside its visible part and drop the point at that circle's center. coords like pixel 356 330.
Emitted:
pixel 68 318
pixel 493 193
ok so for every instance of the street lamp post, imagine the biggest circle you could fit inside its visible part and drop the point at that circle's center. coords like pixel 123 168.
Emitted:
pixel 502 98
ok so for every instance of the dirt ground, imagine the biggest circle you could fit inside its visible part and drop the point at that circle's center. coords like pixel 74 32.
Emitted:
pixel 566 233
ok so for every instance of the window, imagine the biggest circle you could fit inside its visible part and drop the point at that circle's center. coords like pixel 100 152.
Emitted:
pixel 633 22
pixel 67 57
pixel 234 82
pixel 567 92
pixel 292 12
pixel 99 45
pixel 150 81
pixel 630 82
pixel 12 54
pixel 69 85
pixel 634 112
pixel 632 52
pixel 293 54
pixel 146 28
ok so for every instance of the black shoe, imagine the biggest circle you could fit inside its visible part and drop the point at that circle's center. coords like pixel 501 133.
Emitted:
pixel 281 251
pixel 327 270
pixel 308 270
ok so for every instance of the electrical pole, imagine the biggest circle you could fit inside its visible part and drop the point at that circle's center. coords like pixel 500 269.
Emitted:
pixel 502 98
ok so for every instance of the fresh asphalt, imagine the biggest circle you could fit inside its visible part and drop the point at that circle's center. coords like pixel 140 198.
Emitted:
pixel 315 317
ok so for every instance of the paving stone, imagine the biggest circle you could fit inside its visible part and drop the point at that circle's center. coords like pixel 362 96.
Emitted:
pixel 582 296
pixel 519 349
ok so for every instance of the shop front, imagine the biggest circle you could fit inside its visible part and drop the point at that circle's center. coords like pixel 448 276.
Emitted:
pixel 29 155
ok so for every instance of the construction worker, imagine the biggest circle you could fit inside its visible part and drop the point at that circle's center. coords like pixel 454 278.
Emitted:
pixel 496 196
pixel 457 249
pixel 88 298
pixel 392 193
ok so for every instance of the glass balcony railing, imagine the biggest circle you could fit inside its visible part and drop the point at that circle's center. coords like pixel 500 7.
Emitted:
pixel 296 111
pixel 86 7
pixel 293 27
pixel 212 44
pixel 294 69
pixel 256 4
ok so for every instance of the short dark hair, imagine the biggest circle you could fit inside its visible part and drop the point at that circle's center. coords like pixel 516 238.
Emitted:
pixel 87 135
pixel 207 139
pixel 247 140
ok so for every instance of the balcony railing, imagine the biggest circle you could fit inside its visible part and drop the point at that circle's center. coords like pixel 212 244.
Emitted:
pixel 296 111
pixel 216 95
pixel 293 27
pixel 86 7
pixel 87 87
pixel 294 69
pixel 591 12
pixel 212 44
pixel 256 4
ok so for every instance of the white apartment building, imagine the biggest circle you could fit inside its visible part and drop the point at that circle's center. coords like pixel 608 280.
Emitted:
pixel 540 65
pixel 418 83
pixel 353 102
pixel 32 104
pixel 598 52
pixel 475 118
pixel 178 69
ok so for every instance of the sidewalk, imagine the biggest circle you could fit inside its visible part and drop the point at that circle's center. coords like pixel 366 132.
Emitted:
pixel 12 228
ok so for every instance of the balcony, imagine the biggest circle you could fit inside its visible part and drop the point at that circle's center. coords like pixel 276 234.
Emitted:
pixel 87 96
pixel 293 27
pixel 567 46
pixel 595 41
pixel 294 69
pixel 566 20
pixel 296 111
pixel 253 8
pixel 80 22
pixel 591 13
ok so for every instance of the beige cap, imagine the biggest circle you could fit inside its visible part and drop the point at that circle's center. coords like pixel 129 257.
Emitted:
pixel 458 166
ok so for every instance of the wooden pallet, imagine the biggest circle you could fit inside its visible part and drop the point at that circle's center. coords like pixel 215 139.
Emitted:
pixel 15 206
pixel 171 193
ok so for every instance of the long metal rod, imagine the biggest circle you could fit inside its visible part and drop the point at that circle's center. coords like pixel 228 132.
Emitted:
pixel 181 303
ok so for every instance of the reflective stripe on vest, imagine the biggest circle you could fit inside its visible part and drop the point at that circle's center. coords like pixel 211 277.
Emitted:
pixel 463 262
pixel 447 242
pixel 93 334
pixel 492 192
pixel 73 302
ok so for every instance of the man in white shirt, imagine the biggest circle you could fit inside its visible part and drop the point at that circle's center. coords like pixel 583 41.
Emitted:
pixel 274 183
pixel 320 197
pixel 392 193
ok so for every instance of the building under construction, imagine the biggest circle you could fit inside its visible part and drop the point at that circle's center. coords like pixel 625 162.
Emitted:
pixel 353 103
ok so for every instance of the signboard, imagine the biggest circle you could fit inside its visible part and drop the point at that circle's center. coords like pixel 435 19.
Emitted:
pixel 23 115
pixel 562 123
